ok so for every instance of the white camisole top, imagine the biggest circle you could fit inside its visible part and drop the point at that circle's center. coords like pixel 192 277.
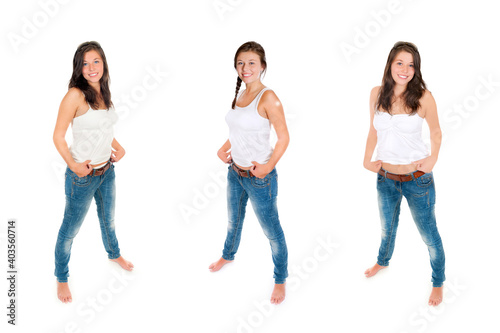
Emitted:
pixel 249 134
pixel 399 138
pixel 93 135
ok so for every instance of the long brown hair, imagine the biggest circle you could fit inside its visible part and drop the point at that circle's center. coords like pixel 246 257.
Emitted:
pixel 77 80
pixel 415 88
pixel 248 47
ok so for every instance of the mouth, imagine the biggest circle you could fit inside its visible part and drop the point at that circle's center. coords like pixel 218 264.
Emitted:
pixel 247 75
pixel 404 77
pixel 93 74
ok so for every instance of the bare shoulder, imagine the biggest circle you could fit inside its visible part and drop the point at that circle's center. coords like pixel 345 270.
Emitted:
pixel 269 97
pixel 74 96
pixel 428 105
pixel 375 91
pixel 427 99
pixel 72 103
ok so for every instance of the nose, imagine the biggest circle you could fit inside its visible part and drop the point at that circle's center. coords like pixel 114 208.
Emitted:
pixel 91 66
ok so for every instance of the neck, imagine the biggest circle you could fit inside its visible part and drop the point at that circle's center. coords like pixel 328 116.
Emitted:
pixel 254 87
pixel 399 90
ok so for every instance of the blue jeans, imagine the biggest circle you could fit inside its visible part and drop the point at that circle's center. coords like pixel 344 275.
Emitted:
pixel 263 195
pixel 79 194
pixel 421 196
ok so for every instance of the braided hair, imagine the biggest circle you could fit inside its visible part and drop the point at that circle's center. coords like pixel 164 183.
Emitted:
pixel 248 47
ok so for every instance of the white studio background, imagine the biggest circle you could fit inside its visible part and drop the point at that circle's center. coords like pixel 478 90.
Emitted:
pixel 172 81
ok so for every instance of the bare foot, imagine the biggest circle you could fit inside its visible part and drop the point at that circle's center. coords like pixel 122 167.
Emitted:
pixel 126 265
pixel 436 296
pixel 278 294
pixel 63 292
pixel 214 267
pixel 373 270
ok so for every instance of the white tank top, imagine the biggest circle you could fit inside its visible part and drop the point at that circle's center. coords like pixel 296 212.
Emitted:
pixel 249 134
pixel 93 135
pixel 399 138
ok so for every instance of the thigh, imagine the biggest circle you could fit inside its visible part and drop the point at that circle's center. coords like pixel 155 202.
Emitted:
pixel 263 194
pixel 105 194
pixel 237 196
pixel 421 196
pixel 389 196
pixel 80 189
pixel 420 193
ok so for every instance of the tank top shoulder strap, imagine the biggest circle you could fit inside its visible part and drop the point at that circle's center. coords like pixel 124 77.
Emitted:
pixel 257 99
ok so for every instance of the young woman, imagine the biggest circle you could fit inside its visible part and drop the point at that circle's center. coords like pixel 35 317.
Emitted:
pixel 90 172
pixel 403 163
pixel 252 174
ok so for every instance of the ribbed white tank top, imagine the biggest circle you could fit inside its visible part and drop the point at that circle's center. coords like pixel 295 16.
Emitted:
pixel 93 135
pixel 399 138
pixel 249 134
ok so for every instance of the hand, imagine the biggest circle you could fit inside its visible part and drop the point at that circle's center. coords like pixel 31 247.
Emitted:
pixel 117 155
pixel 225 156
pixel 426 164
pixel 373 166
pixel 82 169
pixel 260 170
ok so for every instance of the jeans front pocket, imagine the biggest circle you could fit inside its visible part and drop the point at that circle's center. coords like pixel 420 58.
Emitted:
pixel 261 182
pixel 82 181
pixel 424 180
pixel 380 178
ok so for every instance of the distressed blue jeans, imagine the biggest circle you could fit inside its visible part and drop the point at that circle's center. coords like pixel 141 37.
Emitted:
pixel 79 193
pixel 262 193
pixel 421 196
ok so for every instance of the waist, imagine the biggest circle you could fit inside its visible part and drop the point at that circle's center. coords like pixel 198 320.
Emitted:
pixel 399 168
pixel 243 172
pixel 242 167
pixel 401 177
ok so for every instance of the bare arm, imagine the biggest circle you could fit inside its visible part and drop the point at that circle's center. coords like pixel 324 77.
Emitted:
pixel 371 141
pixel 431 116
pixel 274 110
pixel 224 152
pixel 118 152
pixel 67 111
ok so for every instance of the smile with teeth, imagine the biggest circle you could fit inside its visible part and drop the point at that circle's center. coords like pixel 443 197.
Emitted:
pixel 247 75
pixel 403 76
pixel 93 74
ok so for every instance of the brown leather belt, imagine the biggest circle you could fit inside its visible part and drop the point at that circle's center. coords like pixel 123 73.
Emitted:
pixel 401 178
pixel 241 172
pixel 101 171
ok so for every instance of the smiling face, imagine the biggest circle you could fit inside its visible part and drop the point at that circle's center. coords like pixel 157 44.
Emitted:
pixel 93 67
pixel 249 66
pixel 402 68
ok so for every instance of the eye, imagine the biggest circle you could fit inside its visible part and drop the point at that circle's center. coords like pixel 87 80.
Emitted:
pixel 96 62
pixel 85 64
pixel 252 63
pixel 411 66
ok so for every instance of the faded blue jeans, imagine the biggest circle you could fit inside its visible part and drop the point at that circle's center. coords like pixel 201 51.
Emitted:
pixel 263 193
pixel 79 194
pixel 421 196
